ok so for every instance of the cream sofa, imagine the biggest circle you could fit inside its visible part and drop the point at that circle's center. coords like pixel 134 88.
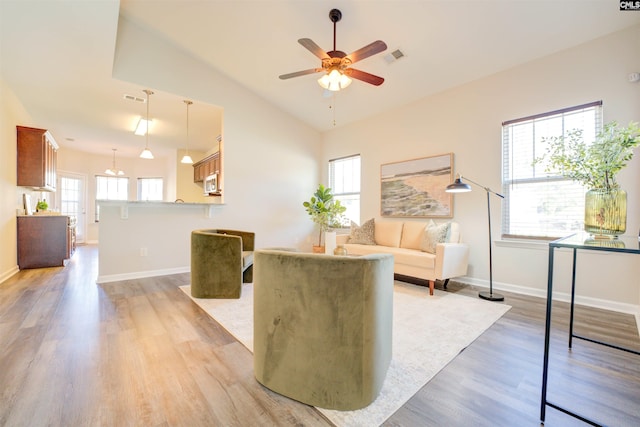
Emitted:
pixel 404 241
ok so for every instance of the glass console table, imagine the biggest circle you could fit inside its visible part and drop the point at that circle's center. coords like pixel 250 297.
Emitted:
pixel 580 241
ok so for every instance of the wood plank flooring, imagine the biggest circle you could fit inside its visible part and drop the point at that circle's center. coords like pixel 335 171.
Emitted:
pixel 140 353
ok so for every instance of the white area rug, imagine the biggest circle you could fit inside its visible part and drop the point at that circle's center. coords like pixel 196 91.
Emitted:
pixel 428 332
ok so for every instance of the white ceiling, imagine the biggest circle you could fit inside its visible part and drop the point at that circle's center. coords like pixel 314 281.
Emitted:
pixel 58 56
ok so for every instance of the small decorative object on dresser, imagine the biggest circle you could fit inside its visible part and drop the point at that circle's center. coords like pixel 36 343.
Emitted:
pixel 340 250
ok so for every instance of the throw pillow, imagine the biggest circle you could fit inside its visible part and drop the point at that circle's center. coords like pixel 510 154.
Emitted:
pixel 433 235
pixel 364 234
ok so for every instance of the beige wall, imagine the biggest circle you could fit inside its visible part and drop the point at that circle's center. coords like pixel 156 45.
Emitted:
pixel 271 161
pixel 11 111
pixel 466 120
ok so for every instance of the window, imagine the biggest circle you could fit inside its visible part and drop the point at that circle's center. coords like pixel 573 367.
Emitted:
pixel 344 181
pixel 70 196
pixel 149 189
pixel 539 205
pixel 110 188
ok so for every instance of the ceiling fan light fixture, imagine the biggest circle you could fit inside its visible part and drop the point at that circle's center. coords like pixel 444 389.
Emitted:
pixel 334 81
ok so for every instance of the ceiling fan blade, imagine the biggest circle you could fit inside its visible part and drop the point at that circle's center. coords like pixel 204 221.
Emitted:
pixel 364 76
pixel 313 48
pixel 367 51
pixel 300 73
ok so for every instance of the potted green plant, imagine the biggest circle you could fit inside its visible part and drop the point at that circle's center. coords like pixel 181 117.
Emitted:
pixel 325 211
pixel 595 165
pixel 42 206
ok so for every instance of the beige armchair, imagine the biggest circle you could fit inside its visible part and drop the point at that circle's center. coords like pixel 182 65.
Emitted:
pixel 323 326
pixel 221 260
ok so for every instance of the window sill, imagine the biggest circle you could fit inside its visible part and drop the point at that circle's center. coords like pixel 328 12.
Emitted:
pixel 541 245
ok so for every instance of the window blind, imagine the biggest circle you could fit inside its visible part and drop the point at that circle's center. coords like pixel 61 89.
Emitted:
pixel 539 204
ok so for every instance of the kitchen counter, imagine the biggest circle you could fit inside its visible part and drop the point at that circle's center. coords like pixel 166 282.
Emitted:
pixel 125 205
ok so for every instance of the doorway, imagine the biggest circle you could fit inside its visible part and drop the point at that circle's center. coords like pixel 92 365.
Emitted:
pixel 70 198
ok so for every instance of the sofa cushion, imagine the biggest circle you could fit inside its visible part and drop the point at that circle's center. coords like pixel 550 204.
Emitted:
pixel 388 233
pixel 400 255
pixel 364 234
pixel 413 234
pixel 433 235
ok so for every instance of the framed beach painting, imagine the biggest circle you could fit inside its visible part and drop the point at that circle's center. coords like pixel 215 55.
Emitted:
pixel 415 188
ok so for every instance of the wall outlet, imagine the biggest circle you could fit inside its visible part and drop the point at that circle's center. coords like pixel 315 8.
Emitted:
pixel 633 77
pixel 143 252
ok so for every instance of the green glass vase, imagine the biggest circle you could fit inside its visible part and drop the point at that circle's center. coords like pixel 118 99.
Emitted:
pixel 605 212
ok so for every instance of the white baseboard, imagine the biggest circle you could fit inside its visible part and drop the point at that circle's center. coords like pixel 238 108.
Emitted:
pixel 4 276
pixel 141 274
pixel 557 296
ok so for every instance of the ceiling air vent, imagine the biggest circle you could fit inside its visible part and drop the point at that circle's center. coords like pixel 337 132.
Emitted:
pixel 393 56
pixel 133 98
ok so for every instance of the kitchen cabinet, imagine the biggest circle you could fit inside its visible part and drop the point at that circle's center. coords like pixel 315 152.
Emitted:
pixel 37 159
pixel 43 241
pixel 205 167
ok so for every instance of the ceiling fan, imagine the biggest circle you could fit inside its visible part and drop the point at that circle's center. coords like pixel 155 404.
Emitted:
pixel 337 64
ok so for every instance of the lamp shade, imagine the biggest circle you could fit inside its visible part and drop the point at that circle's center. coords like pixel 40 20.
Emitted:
pixel 186 159
pixel 458 186
pixel 146 154
pixel 334 81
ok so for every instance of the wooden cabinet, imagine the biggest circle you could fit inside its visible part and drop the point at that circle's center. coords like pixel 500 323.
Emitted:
pixel 37 159
pixel 205 167
pixel 43 241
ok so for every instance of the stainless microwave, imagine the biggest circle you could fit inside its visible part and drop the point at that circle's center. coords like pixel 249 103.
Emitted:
pixel 211 184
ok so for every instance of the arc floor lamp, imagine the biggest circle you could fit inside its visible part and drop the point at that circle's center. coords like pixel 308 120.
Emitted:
pixel 460 187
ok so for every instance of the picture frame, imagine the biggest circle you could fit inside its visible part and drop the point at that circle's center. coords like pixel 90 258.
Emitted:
pixel 416 187
pixel 26 202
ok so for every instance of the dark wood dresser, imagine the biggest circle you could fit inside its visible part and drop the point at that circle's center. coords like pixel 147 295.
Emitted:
pixel 43 241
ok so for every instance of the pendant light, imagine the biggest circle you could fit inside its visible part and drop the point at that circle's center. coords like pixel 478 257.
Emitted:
pixel 146 153
pixel 187 158
pixel 113 170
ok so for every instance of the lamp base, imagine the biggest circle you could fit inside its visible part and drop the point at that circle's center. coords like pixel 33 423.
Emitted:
pixel 490 296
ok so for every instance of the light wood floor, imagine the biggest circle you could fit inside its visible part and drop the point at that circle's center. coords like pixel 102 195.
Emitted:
pixel 140 353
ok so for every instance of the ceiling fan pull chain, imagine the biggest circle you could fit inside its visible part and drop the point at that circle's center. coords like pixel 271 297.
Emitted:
pixel 333 107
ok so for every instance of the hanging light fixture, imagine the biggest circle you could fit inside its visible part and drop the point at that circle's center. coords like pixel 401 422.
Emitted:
pixel 113 170
pixel 146 153
pixel 187 158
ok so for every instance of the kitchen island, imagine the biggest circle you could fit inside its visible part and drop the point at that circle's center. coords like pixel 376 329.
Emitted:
pixel 145 239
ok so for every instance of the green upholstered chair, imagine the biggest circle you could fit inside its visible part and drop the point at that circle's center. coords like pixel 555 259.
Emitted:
pixel 323 326
pixel 221 260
